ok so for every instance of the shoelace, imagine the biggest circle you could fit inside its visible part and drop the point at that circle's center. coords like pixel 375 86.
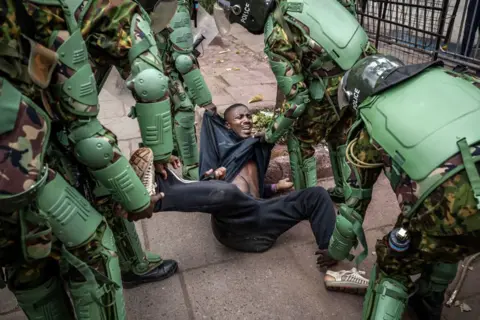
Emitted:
pixel 354 277
pixel 148 180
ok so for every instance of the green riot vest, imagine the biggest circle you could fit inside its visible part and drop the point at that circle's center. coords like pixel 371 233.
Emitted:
pixel 422 122
pixel 330 26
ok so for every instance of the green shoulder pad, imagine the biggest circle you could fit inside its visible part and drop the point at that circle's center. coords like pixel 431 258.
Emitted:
pixel 410 121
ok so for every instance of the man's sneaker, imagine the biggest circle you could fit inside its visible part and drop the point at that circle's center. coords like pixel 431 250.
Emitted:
pixel 350 281
pixel 142 162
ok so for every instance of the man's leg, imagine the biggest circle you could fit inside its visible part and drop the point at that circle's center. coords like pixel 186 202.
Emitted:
pixel 244 223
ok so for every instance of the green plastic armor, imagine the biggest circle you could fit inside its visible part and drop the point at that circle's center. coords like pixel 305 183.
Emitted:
pixel 415 150
pixel 74 221
pixel 45 302
pixel 331 27
pixel 182 53
pixel 150 87
pixel 423 104
pixel 385 298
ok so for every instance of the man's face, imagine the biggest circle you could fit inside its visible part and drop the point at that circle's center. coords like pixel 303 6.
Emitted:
pixel 240 121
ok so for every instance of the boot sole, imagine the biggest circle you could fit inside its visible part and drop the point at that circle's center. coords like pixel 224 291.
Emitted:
pixel 130 285
pixel 345 289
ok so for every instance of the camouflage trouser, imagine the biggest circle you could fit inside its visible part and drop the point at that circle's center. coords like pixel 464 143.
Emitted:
pixel 320 122
pixel 440 229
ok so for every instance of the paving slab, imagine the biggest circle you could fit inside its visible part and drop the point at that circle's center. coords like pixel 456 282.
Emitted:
pixel 258 286
pixel 163 300
pixel 187 238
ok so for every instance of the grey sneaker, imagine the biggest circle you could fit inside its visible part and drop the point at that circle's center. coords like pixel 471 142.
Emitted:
pixel 349 281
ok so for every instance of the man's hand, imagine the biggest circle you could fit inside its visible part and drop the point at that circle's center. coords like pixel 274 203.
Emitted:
pixel 160 167
pixel 218 174
pixel 145 213
pixel 284 184
pixel 260 136
pixel 211 107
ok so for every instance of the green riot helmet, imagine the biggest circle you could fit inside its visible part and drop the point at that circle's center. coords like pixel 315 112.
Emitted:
pixel 250 14
pixel 160 11
pixel 362 80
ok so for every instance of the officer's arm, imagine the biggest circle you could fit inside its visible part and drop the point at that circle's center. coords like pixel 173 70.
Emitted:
pixel 185 61
pixel 127 41
pixel 75 97
pixel 286 67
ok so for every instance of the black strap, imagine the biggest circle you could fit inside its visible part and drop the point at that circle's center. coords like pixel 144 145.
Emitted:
pixel 24 20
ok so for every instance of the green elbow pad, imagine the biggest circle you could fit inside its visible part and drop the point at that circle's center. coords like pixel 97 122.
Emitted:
pixel 200 94
pixel 72 218
pixel 124 185
pixel 282 125
pixel 155 123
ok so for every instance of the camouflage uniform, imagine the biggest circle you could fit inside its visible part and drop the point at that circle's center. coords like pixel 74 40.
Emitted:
pixel 439 202
pixel 40 205
pixel 306 67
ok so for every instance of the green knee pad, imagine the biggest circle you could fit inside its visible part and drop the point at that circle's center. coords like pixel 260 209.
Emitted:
pixel 123 183
pixel 46 302
pixel 72 218
pixel 155 122
pixel 129 248
pixel 436 279
pixel 100 296
pixel 304 171
pixel 186 138
pixel 385 299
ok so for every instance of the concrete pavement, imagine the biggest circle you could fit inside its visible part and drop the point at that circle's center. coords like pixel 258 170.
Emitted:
pixel 214 282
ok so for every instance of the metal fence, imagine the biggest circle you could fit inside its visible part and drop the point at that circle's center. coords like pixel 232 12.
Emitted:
pixel 424 30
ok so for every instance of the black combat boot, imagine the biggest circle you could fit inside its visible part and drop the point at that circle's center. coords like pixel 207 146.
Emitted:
pixel 162 272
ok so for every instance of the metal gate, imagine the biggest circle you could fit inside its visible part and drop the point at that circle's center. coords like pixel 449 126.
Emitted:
pixel 418 31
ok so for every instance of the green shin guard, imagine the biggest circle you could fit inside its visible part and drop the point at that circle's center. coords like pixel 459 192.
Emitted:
pixel 155 122
pixel 187 143
pixel 385 298
pixel 195 83
pixel 304 171
pixel 335 154
pixel 46 302
pixel 123 183
pixel 129 248
pixel 72 218
pixel 100 296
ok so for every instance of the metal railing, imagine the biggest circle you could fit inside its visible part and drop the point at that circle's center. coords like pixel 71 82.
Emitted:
pixel 418 31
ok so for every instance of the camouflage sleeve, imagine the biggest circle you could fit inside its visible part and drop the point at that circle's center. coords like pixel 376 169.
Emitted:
pixel 280 49
pixel 23 128
pixel 106 28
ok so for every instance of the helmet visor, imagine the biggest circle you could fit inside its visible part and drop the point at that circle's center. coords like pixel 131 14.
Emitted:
pixel 162 14
pixel 221 13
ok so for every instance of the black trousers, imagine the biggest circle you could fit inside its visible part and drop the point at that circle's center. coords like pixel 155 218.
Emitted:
pixel 244 223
